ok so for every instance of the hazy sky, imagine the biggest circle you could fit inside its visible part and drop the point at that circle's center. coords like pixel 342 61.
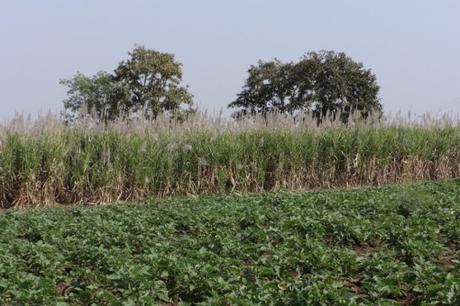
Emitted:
pixel 412 46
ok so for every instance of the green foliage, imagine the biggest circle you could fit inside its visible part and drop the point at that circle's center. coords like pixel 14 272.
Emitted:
pixel 322 248
pixel 321 83
pixel 148 83
pixel 152 81
pixel 96 95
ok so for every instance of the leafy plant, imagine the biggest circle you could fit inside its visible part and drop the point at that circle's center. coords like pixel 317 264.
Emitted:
pixel 325 247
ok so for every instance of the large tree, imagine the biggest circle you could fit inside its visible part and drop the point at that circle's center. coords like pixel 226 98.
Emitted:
pixel 322 83
pixel 148 83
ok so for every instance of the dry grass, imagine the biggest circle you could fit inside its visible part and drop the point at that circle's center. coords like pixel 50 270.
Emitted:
pixel 43 161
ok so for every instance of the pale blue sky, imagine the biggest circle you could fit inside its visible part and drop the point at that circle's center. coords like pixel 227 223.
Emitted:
pixel 412 46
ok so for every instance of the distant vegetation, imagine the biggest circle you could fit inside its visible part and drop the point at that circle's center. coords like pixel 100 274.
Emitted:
pixel 147 84
pixel 46 161
pixel 388 246
pixel 322 84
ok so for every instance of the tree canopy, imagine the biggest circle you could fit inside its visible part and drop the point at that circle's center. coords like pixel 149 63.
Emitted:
pixel 148 83
pixel 322 84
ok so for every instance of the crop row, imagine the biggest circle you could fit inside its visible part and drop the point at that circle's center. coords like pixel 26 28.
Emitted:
pixel 74 164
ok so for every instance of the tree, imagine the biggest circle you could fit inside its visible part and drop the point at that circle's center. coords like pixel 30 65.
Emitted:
pixel 321 83
pixel 148 83
pixel 96 95
pixel 152 80
pixel 265 89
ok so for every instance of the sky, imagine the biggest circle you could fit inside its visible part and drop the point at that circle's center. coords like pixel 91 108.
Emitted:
pixel 412 46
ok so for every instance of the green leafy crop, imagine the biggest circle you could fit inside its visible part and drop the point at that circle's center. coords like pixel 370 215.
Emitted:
pixel 393 246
